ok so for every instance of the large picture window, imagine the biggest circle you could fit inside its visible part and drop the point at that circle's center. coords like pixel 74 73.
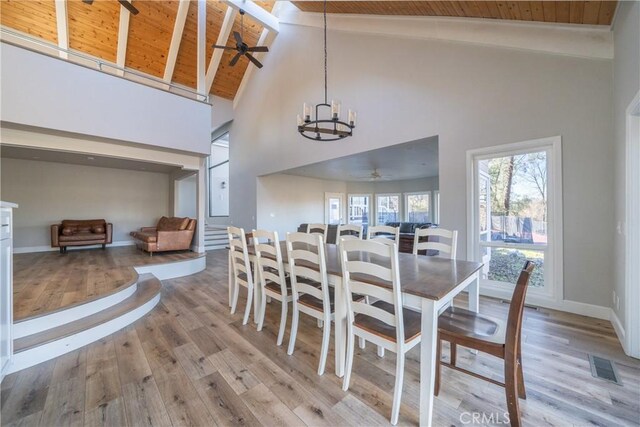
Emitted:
pixel 359 209
pixel 387 208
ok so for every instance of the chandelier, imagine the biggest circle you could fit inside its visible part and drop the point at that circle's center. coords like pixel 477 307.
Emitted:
pixel 325 125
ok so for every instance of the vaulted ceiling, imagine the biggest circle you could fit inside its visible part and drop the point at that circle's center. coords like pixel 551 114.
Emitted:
pixel 573 12
pixel 93 30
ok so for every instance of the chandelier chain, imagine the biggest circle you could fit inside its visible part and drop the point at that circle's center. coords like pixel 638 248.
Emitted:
pixel 325 51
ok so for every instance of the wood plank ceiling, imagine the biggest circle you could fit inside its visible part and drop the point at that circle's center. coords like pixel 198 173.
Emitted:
pixel 93 30
pixel 571 12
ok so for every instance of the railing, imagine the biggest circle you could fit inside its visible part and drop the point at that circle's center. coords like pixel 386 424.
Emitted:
pixel 43 47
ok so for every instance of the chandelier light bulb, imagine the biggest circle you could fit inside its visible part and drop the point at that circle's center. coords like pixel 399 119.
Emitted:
pixel 352 118
pixel 335 109
pixel 306 111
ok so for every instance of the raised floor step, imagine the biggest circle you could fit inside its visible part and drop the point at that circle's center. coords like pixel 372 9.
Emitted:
pixel 36 348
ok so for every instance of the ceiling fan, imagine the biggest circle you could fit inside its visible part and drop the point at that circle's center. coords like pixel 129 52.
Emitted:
pixel 373 176
pixel 126 4
pixel 241 47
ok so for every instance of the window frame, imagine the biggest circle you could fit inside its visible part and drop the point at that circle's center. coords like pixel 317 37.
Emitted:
pixel 371 207
pixel 406 195
pixel 400 210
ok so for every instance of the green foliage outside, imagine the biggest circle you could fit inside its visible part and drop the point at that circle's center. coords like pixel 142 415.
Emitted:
pixel 506 264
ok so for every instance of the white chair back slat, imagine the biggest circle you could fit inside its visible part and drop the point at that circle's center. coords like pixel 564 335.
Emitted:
pixel 320 229
pixel 377 292
pixel 385 232
pixel 349 230
pixel 448 248
pixel 363 267
pixel 314 254
pixel 375 312
pixel 305 255
pixel 308 273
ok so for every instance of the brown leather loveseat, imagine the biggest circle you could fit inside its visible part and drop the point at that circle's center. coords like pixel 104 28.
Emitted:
pixel 170 234
pixel 81 232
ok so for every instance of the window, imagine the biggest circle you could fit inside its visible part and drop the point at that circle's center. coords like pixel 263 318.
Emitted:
pixel 436 207
pixel 387 208
pixel 334 203
pixel 515 207
pixel 359 209
pixel 418 207
pixel 219 177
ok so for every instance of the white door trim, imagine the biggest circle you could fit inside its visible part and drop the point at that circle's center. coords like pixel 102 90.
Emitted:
pixel 343 210
pixel 632 230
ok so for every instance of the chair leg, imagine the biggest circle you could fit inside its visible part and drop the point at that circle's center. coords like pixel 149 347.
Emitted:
pixel 234 300
pixel 326 336
pixel 380 351
pixel 261 313
pixel 247 310
pixel 436 390
pixel 294 330
pixel 361 342
pixel 283 321
pixel 511 391
pixel 349 361
pixel 397 391
pixel 453 354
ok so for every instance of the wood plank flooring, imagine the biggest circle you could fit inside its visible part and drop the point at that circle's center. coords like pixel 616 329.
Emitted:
pixel 49 281
pixel 189 362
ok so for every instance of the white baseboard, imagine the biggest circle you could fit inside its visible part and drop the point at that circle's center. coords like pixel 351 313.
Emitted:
pixel 619 328
pixel 30 249
pixel 174 269
pixel 584 309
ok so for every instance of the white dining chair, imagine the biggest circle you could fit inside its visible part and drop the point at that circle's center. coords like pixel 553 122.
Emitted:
pixel 272 279
pixel 385 322
pixel 384 234
pixel 349 231
pixel 441 233
pixel 240 269
pixel 310 287
pixel 320 229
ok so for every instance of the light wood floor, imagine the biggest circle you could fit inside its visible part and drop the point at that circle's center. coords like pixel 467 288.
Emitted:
pixel 48 281
pixel 190 362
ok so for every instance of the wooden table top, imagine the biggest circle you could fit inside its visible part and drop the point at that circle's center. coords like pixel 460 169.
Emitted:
pixel 424 276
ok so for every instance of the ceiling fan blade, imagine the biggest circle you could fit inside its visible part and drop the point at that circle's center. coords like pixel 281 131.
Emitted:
pixel 258 49
pixel 235 59
pixel 215 46
pixel 87 1
pixel 127 5
pixel 236 35
pixel 254 60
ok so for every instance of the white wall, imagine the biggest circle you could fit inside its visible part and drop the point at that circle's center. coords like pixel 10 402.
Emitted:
pixel 286 201
pixel 46 92
pixel 470 96
pixel 626 83
pixel 221 111
pixel 49 192
pixel 185 197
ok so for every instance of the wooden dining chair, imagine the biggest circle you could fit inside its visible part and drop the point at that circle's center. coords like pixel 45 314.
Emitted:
pixel 320 229
pixel 384 234
pixel 493 336
pixel 448 248
pixel 385 322
pixel 272 279
pixel 240 269
pixel 349 231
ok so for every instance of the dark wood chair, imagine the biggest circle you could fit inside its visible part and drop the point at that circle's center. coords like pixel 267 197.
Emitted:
pixel 473 330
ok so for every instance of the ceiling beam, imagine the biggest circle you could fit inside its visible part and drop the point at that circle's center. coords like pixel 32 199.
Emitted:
pixel 266 38
pixel 63 27
pixel 223 36
pixel 201 47
pixel 123 37
pixel 266 19
pixel 178 28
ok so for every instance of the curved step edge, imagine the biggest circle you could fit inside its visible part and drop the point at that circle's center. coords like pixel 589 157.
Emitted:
pixel 45 322
pixel 35 355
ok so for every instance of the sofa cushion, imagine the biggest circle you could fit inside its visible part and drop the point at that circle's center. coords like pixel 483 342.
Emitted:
pixel 82 237
pixel 146 236
pixel 68 231
pixel 172 224
pixel 83 223
pixel 97 229
pixel 407 227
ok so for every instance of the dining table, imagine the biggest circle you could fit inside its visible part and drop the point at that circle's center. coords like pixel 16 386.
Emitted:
pixel 428 285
